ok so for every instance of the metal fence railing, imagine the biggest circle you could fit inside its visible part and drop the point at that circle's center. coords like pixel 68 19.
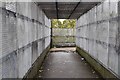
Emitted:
pixel 63 37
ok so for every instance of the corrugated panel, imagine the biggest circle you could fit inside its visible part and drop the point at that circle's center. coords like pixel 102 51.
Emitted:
pixel 66 10
pixel 19 30
pixel 97 33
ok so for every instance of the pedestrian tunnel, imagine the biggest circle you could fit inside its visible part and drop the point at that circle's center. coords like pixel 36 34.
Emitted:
pixel 28 42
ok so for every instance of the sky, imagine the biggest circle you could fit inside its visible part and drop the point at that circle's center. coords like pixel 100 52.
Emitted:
pixel 62 20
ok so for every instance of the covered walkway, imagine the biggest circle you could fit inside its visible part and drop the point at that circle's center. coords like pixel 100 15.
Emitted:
pixel 26 39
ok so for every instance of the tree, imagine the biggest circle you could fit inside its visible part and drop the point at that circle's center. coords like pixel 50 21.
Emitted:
pixel 56 23
pixel 68 23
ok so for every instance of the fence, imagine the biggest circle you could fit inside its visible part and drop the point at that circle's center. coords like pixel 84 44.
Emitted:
pixel 62 37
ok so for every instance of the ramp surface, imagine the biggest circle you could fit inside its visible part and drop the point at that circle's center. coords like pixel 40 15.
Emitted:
pixel 65 63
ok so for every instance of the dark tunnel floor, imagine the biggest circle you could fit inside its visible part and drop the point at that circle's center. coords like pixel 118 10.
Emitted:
pixel 66 64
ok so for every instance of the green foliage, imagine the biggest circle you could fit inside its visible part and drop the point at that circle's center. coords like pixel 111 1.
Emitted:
pixel 68 23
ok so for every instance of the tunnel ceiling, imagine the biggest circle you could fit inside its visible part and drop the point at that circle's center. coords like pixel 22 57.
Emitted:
pixel 66 10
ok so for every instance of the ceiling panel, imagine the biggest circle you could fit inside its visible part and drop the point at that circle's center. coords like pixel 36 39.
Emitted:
pixel 66 10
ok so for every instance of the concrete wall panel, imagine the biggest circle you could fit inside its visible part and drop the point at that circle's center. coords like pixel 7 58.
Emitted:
pixel 24 60
pixel 40 15
pixel 10 66
pixel 99 12
pixel 30 32
pixel 20 32
pixel 103 32
pixel 94 52
pixel 113 59
pixel 24 36
pixel 98 29
pixel 0 31
pixel 21 8
pixel 34 51
pixel 103 54
pixel 26 32
pixel 106 10
pixel 9 33
pixel 113 32
pixel 39 48
pixel 113 8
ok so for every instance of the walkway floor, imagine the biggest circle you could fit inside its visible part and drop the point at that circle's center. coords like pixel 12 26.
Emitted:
pixel 65 64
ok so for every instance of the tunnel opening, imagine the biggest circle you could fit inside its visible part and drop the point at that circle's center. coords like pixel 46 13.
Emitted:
pixel 63 33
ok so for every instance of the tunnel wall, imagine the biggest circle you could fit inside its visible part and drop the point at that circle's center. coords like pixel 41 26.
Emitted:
pixel 97 33
pixel 24 35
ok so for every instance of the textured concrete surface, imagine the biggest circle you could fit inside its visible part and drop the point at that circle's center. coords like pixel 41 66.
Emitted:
pixel 97 33
pixel 0 39
pixel 24 35
pixel 105 73
pixel 37 64
pixel 63 64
